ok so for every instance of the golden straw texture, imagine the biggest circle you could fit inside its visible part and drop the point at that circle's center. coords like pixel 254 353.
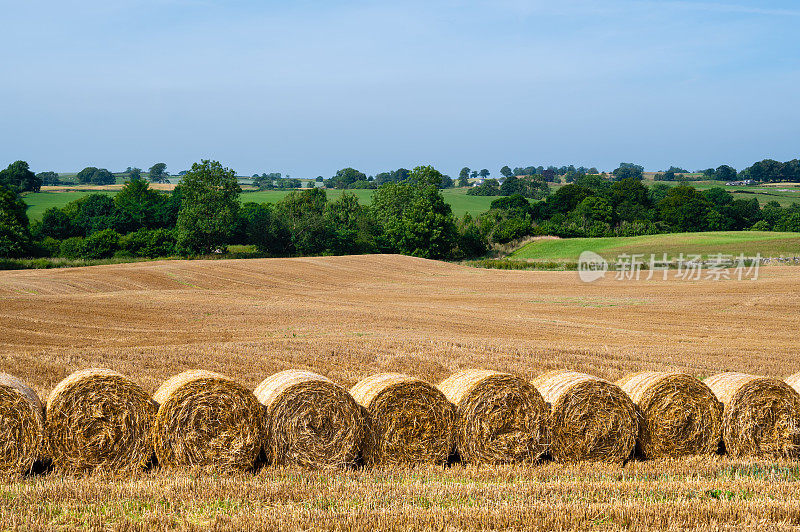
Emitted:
pixel 21 426
pixel 209 420
pixel 409 421
pixel 678 414
pixel 499 417
pixel 98 419
pixel 761 417
pixel 311 421
pixel 591 419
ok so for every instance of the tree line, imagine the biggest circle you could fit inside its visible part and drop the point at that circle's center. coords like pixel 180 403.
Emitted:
pixel 19 177
pixel 203 215
pixel 408 215
pixel 597 207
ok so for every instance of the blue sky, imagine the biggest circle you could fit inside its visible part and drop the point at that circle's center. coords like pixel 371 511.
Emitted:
pixel 308 87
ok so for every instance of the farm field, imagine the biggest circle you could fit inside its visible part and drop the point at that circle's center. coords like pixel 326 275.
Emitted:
pixel 783 193
pixel 38 202
pixel 455 197
pixel 348 317
pixel 768 244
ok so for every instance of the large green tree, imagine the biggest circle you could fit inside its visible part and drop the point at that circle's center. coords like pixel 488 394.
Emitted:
pixel 19 178
pixel 57 224
pixel 529 187
pixel 346 177
pixel 414 217
pixel 158 173
pixel 209 208
pixel 351 226
pixel 628 170
pixel 137 206
pixel 631 191
pixel 303 214
pixel 463 177
pixel 264 229
pixel 685 209
pixel 49 178
pixel 725 173
pixel 92 213
pixel 95 176
pixel 14 231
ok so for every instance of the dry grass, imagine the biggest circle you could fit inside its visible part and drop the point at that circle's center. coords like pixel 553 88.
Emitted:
pixel 694 493
pixel 350 317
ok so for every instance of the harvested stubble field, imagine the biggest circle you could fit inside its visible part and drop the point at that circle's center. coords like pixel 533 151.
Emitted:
pixel 349 317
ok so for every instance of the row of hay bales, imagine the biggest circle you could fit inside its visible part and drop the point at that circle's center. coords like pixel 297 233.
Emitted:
pixel 98 419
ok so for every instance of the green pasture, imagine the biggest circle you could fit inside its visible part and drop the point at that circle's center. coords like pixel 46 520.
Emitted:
pixel 458 200
pixel 768 244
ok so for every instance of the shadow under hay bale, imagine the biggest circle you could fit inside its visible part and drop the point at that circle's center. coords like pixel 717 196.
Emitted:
pixel 678 414
pixel 21 426
pixel 311 421
pixel 591 419
pixel 208 420
pixel 500 418
pixel 761 415
pixel 409 421
pixel 98 419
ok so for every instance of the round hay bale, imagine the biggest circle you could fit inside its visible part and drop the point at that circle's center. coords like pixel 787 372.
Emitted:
pixel 761 415
pixel 21 424
pixel 409 421
pixel 591 419
pixel 678 414
pixel 311 421
pixel 500 418
pixel 209 420
pixel 98 419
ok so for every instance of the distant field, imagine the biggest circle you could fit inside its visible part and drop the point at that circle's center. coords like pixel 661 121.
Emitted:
pixel 768 244
pixel 786 194
pixel 457 198
pixel 41 201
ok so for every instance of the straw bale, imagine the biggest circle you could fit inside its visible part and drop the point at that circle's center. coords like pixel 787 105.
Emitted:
pixel 311 421
pixel 678 414
pixel 22 426
pixel 591 419
pixel 761 415
pixel 208 420
pixel 500 418
pixel 409 421
pixel 98 419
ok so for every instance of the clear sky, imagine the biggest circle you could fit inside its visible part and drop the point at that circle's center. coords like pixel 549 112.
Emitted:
pixel 308 87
